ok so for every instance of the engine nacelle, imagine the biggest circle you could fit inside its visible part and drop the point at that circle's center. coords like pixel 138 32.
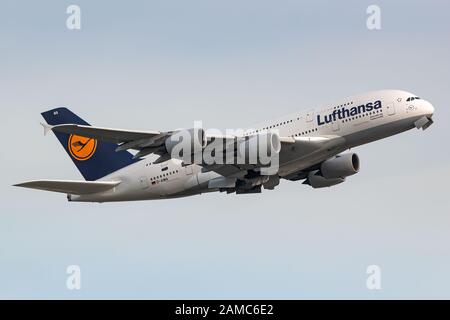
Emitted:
pixel 315 180
pixel 185 142
pixel 260 148
pixel 341 166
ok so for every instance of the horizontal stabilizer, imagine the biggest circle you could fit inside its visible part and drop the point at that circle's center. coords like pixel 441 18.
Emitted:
pixel 70 186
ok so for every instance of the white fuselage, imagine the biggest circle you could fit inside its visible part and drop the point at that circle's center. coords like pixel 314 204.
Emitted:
pixel 346 118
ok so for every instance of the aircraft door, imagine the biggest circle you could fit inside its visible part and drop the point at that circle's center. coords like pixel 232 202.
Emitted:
pixel 390 107
pixel 143 182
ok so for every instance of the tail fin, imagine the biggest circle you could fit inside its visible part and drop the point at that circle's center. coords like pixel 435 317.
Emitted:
pixel 94 159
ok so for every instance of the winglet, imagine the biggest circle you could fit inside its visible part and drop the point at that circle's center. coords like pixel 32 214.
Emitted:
pixel 46 127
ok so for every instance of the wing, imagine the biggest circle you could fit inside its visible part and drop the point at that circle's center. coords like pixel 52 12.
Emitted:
pixel 104 134
pixel 296 154
pixel 306 149
pixel 69 186
pixel 307 154
pixel 145 142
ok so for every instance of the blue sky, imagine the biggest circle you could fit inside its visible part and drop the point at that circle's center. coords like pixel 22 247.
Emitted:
pixel 160 65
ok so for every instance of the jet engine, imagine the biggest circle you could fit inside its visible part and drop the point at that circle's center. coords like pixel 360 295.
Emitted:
pixel 185 142
pixel 259 149
pixel 341 166
pixel 315 180
pixel 333 171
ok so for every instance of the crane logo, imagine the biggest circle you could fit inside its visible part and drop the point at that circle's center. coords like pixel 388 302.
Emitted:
pixel 81 148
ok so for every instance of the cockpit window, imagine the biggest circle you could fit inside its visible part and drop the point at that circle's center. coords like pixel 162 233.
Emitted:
pixel 412 98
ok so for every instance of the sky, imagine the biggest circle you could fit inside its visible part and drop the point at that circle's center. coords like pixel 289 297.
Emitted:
pixel 160 65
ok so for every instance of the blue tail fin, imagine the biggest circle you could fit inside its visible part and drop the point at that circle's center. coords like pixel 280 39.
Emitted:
pixel 94 159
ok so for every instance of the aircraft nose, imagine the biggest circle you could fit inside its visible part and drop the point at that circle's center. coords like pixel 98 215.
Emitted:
pixel 428 108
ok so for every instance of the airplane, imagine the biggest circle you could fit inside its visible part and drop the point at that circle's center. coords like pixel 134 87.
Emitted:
pixel 310 146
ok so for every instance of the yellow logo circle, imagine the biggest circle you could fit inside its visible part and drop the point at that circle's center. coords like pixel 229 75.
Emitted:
pixel 81 148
